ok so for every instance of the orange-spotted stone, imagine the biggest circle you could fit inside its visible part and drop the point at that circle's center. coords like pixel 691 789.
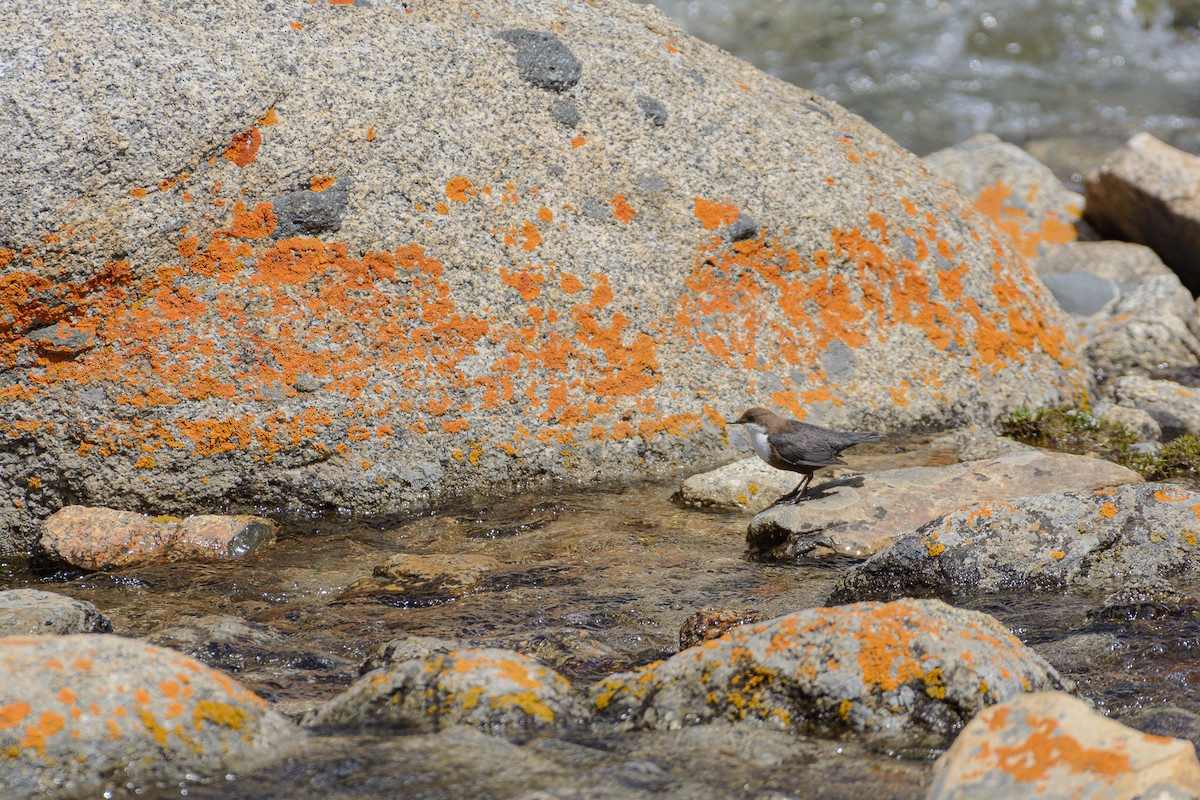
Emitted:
pixel 1050 745
pixel 100 713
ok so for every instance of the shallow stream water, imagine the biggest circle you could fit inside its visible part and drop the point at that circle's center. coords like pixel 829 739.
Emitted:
pixel 589 582
pixel 931 73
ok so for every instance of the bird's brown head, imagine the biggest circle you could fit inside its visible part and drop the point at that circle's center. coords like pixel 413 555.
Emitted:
pixel 758 416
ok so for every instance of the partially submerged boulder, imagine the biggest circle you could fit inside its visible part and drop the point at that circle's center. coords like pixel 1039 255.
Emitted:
pixel 380 259
pixel 104 538
pixel 909 673
pixel 1094 539
pixel 87 715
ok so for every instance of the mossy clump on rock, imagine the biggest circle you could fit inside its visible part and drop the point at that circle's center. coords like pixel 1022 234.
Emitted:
pixel 1075 430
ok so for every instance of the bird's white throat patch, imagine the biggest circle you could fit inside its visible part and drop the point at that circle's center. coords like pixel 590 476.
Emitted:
pixel 758 440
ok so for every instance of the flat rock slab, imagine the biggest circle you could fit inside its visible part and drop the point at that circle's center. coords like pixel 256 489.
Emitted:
pixel 497 691
pixel 33 612
pixel 1146 193
pixel 105 538
pixel 861 515
pixel 85 714
pixel 1094 538
pixel 908 673
pixel 1049 745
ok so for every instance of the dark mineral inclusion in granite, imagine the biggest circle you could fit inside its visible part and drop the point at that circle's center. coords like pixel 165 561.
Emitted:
pixel 543 60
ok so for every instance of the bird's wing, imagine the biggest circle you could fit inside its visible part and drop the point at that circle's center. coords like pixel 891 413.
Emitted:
pixel 808 446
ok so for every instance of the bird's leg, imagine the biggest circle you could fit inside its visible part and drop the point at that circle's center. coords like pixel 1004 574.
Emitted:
pixel 794 496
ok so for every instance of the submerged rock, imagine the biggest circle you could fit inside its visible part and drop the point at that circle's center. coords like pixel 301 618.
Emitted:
pixel 105 538
pixel 332 281
pixel 88 714
pixel 866 513
pixel 1049 745
pixel 34 612
pixel 424 579
pixel 909 673
pixel 1095 539
pixel 497 691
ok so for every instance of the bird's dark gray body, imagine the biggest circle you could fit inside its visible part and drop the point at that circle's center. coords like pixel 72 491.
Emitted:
pixel 796 446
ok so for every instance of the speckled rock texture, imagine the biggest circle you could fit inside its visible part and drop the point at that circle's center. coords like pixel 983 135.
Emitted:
pixel 1146 193
pixel 909 673
pixel 1051 746
pixel 497 691
pixel 746 485
pixel 32 612
pixel 1097 539
pixel 863 514
pixel 85 714
pixel 1019 193
pixel 104 538
pixel 389 254
pixel 1174 407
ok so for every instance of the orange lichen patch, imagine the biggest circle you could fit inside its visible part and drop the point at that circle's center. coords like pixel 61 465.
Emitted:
pixel 244 148
pixel 527 283
pixel 137 193
pixel 545 214
pixel 319 183
pixel 456 426
pixel 459 189
pixel 13 713
pixel 268 119
pixel 533 236
pixel 257 223
pixel 713 215
pixel 1170 495
pixel 1015 221
pixel 1108 510
pixel 1047 750
pixel 224 714
pixel 622 210
pixel 371 134
pixel 578 141
pixel 886 656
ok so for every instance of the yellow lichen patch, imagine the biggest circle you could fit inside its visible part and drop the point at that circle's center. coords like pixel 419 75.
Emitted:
pixel 222 714
pixel 935 684
pixel 528 702
pixel 1189 537
pixel 932 545
pixel 154 727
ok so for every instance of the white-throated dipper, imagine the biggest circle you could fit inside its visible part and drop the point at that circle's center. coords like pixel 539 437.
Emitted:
pixel 796 446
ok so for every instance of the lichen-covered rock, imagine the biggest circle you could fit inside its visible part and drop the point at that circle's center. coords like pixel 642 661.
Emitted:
pixel 497 691
pixel 746 485
pixel 1097 538
pixel 1020 194
pixel 1049 745
pixel 866 513
pixel 105 538
pixel 33 612
pixel 909 673
pixel 85 714
pixel 369 264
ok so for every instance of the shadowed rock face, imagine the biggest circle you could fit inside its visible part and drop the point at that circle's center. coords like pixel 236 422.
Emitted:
pixel 371 263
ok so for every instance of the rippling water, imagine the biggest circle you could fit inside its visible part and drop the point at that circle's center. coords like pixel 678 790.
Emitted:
pixel 931 73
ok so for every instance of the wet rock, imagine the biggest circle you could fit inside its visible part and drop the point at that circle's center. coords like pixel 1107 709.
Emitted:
pixel 713 623
pixel 86 714
pixel 1145 193
pixel 1021 195
pixel 1092 538
pixel 1168 721
pixel 1147 598
pixel 462 332
pixel 34 612
pixel 1175 408
pixel 909 673
pixel 746 485
pixel 497 691
pixel 105 538
pixel 1051 745
pixel 409 648
pixel 543 60
pixel 414 579
pixel 866 513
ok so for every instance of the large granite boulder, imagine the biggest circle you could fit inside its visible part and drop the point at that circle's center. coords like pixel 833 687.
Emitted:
pixel 386 255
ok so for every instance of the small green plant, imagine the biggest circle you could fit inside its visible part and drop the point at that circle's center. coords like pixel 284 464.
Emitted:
pixel 1074 430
